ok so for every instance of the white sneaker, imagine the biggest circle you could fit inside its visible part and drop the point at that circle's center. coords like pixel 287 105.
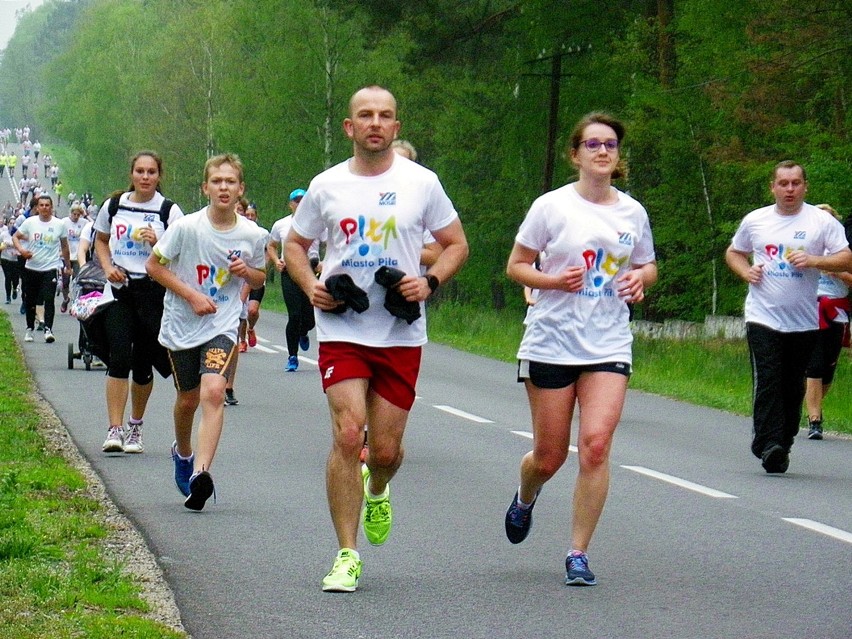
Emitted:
pixel 133 439
pixel 48 336
pixel 28 335
pixel 114 442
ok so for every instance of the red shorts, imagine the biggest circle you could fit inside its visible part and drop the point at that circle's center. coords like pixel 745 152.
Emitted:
pixel 392 370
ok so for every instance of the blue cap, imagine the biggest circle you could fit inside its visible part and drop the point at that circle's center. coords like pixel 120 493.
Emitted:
pixel 297 193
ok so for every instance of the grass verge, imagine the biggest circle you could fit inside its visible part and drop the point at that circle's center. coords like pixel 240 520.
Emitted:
pixel 56 575
pixel 713 373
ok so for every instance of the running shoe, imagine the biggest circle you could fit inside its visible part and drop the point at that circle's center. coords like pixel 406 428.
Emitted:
pixel 200 489
pixel 114 442
pixel 39 325
pixel 8 300
pixel 292 363
pixel 15 294
pixel 48 336
pixel 518 520
pixel 63 308
pixel 344 573
pixel 230 398
pixel 304 342
pixel 23 309
pixel 252 338
pixel 775 459
pixel 815 429
pixel 183 470
pixel 243 346
pixel 577 571
pixel 133 439
pixel 378 514
pixel 28 335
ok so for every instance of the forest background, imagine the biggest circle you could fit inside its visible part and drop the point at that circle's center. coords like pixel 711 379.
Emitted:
pixel 714 93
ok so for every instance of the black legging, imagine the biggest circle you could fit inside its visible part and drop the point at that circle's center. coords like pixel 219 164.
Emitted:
pixel 39 288
pixel 300 313
pixel 11 275
pixel 132 325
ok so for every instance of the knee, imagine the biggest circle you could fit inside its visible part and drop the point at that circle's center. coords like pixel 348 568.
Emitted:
pixel 349 435
pixel 187 402
pixel 594 452
pixel 213 394
pixel 547 462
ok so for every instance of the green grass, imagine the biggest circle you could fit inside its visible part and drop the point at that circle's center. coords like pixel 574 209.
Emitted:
pixel 55 578
pixel 713 373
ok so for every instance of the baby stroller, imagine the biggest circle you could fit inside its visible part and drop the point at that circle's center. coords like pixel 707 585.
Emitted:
pixel 85 293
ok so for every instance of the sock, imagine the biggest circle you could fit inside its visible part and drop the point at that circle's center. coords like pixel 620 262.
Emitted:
pixel 135 422
pixel 352 552
pixel 182 458
pixel 521 504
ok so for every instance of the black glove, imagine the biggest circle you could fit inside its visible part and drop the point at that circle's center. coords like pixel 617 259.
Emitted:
pixel 343 289
pixel 395 303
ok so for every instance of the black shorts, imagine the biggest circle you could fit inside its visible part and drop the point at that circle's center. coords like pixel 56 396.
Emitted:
pixel 558 376
pixel 256 294
pixel 215 356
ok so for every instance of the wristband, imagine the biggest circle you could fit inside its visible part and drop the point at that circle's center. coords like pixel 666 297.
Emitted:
pixel 432 281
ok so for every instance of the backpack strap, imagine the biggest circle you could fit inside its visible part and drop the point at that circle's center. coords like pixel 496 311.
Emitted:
pixel 165 209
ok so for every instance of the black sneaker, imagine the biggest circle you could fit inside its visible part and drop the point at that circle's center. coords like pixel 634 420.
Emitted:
pixel 200 489
pixel 518 521
pixel 815 429
pixel 776 459
pixel 230 398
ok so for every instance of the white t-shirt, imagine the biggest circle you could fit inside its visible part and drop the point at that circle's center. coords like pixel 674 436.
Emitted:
pixel 129 250
pixel 199 255
pixel 785 300
pixel 43 239
pixel 279 232
pixel 74 231
pixel 9 251
pixel 590 326
pixel 372 222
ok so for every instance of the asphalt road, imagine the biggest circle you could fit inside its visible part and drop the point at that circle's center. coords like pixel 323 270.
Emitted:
pixel 696 540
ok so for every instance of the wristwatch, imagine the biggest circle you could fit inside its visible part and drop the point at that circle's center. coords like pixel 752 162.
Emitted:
pixel 432 281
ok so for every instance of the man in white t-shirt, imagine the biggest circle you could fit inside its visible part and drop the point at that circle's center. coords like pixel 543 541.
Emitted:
pixel 46 250
pixel 780 250
pixel 202 260
pixel 374 207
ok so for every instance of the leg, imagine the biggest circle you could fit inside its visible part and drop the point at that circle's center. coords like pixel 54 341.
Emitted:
pixel 139 394
pixel 387 426
pixel 797 349
pixel 30 292
pixel 767 372
pixel 347 402
pixel 600 397
pixel 117 390
pixel 212 396
pixel 48 295
pixel 291 292
pixel 552 411
pixel 186 404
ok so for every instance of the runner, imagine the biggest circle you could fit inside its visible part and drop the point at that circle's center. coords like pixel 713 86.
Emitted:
pixel 203 260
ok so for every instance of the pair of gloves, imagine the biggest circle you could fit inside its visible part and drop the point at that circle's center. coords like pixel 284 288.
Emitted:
pixel 343 289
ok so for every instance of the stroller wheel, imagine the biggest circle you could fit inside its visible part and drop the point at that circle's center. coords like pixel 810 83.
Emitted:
pixel 87 360
pixel 70 356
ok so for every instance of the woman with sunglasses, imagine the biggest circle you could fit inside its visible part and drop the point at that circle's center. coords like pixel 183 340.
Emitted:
pixel 597 257
pixel 123 242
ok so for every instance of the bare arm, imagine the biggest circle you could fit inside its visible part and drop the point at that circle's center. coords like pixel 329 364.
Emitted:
pixel 454 252
pixel 834 263
pixel 299 268
pixel 113 274
pixel 739 263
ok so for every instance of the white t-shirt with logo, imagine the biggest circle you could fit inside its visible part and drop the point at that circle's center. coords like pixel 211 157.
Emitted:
pixel 590 326
pixel 74 231
pixel 199 255
pixel 43 240
pixel 129 250
pixel 372 222
pixel 785 299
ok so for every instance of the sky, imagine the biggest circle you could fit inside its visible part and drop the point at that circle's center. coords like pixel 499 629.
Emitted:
pixel 7 17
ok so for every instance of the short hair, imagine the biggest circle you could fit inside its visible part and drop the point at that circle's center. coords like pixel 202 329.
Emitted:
pixel 406 146
pixel 599 117
pixel 224 158
pixel 788 164
pixel 44 196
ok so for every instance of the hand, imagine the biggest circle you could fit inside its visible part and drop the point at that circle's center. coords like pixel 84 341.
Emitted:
pixel 202 304
pixel 116 275
pixel 414 289
pixel 799 259
pixel 754 275
pixel 631 286
pixel 570 280
pixel 321 298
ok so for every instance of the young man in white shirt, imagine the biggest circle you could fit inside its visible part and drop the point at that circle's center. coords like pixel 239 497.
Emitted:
pixel 202 260
pixel 374 207
pixel 779 250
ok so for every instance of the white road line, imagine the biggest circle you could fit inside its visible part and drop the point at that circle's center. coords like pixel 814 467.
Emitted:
pixel 263 349
pixel 837 533
pixel 461 413
pixel 677 481
pixel 529 435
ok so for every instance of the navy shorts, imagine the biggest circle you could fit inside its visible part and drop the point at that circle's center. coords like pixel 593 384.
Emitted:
pixel 559 376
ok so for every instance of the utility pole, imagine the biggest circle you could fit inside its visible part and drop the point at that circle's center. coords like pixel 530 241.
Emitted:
pixel 555 76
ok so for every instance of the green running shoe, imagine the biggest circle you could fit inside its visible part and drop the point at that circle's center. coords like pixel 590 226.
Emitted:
pixel 378 514
pixel 344 573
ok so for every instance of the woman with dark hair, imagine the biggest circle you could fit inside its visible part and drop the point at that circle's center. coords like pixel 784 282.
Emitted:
pixel 126 232
pixel 597 256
